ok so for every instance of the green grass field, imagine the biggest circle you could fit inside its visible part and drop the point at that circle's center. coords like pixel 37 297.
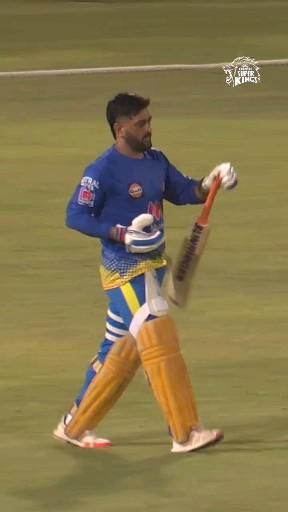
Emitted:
pixel 234 334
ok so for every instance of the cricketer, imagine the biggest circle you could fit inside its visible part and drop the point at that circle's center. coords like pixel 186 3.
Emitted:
pixel 120 201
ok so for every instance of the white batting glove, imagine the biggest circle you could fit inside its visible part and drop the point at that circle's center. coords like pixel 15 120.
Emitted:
pixel 136 239
pixel 227 174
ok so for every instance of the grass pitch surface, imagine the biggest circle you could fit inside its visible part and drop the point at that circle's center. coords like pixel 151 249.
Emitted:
pixel 52 310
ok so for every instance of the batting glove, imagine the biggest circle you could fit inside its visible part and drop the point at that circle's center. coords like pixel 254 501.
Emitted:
pixel 136 239
pixel 227 174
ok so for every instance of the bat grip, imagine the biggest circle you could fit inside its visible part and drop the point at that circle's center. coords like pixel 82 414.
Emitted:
pixel 203 219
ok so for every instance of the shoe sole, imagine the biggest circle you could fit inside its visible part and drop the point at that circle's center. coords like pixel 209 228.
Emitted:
pixel 72 442
pixel 217 439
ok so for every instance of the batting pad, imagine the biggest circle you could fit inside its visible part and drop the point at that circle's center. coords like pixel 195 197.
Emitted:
pixel 164 365
pixel 106 387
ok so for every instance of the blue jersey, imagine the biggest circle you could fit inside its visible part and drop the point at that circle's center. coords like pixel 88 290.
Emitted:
pixel 116 188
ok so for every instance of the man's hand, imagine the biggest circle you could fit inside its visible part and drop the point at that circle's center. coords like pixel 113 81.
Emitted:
pixel 227 174
pixel 135 238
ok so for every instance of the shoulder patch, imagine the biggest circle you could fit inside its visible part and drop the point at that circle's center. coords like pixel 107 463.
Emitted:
pixel 89 183
pixel 86 196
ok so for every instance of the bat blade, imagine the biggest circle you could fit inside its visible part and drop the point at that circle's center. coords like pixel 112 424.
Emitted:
pixel 181 276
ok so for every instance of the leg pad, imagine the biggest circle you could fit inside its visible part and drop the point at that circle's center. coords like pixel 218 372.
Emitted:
pixel 164 365
pixel 106 387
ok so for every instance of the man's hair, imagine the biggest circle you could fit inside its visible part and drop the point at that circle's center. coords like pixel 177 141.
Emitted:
pixel 124 104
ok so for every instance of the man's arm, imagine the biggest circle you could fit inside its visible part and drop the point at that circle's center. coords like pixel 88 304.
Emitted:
pixel 180 189
pixel 86 205
pixel 83 215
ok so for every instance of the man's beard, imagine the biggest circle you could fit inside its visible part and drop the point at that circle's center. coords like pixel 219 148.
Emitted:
pixel 139 146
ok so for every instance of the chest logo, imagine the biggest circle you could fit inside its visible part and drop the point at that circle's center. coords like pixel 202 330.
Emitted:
pixel 135 190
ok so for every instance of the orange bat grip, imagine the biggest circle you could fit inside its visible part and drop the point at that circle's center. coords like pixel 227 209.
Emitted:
pixel 203 217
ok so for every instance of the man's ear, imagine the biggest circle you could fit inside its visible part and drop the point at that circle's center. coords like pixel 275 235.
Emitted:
pixel 118 129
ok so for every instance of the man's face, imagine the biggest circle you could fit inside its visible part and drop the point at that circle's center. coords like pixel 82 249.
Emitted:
pixel 136 131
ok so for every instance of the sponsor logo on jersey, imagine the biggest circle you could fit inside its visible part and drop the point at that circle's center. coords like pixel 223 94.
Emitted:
pixel 86 196
pixel 155 208
pixel 89 183
pixel 135 190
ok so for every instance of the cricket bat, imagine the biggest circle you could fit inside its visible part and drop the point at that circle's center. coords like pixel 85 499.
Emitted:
pixel 181 276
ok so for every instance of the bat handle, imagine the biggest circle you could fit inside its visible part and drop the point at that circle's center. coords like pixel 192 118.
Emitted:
pixel 203 219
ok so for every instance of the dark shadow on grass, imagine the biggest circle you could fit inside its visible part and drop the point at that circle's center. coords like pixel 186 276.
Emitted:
pixel 102 473
pixel 97 474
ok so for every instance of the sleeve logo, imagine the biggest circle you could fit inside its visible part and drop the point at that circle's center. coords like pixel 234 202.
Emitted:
pixel 86 196
pixel 89 183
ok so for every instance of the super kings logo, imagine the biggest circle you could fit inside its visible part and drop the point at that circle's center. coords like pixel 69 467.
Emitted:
pixel 155 208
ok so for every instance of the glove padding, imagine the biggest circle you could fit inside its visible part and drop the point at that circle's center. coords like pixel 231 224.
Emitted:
pixel 139 241
pixel 227 174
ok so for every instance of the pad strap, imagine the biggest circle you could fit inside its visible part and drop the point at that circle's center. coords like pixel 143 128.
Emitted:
pixel 155 304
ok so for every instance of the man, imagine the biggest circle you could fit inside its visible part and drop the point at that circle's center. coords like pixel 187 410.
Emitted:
pixel 119 200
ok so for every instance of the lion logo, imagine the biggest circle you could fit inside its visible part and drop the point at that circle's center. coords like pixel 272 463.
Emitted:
pixel 241 71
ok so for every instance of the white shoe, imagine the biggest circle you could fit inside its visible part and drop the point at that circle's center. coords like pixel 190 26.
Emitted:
pixel 87 440
pixel 200 437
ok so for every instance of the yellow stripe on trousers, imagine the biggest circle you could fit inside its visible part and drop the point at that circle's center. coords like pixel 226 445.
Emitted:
pixel 130 297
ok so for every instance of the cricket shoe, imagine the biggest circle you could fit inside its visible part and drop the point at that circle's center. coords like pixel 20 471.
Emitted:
pixel 87 440
pixel 199 438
